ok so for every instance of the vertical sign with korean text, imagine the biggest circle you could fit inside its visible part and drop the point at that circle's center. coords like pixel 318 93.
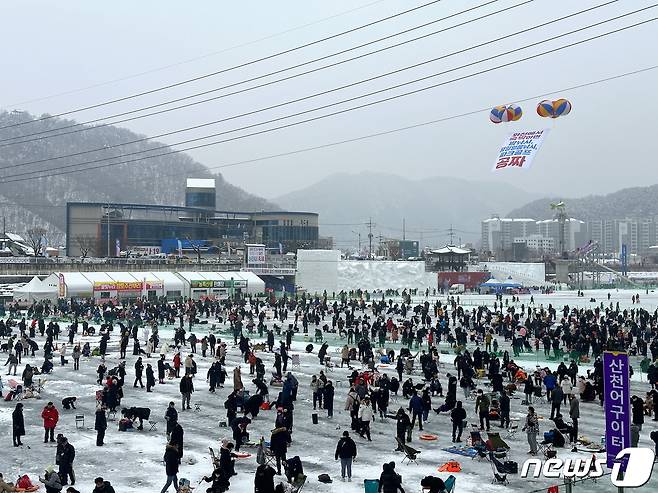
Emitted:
pixel 616 388
pixel 519 149
pixel 255 254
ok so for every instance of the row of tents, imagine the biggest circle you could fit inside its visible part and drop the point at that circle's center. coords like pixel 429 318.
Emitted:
pixel 117 285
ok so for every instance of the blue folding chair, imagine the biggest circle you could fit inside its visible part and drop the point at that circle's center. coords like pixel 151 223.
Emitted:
pixel 371 485
pixel 450 484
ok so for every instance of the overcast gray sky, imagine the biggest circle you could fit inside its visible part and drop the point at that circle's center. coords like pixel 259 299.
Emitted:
pixel 606 143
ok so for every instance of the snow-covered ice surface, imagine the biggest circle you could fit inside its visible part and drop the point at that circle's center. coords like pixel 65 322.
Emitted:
pixel 132 461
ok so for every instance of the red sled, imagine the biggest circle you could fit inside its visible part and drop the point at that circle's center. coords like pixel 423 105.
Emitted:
pixel 25 483
pixel 265 406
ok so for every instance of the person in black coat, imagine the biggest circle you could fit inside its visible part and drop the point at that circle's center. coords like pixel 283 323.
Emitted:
pixel 279 445
pixel 433 484
pixel 171 466
pixel 227 460
pixel 139 368
pixel 458 415
pixel 64 459
pixel 161 369
pixel 100 425
pixel 346 452
pixel 390 481
pixel 239 428
pixel 264 479
pixel 220 482
pixel 18 424
pixel 504 410
pixel 637 405
pixel 141 413
pixel 171 417
pixel 403 424
pixel 150 378
pixel 329 399
pixel 176 438
pixel 252 406
pixel 214 372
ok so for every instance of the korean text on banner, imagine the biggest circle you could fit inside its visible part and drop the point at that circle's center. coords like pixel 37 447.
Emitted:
pixel 519 149
pixel 616 388
pixel 255 255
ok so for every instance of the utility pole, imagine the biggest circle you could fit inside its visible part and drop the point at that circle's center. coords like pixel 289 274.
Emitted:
pixel 451 234
pixel 108 230
pixel 359 236
pixel 370 239
pixel 403 230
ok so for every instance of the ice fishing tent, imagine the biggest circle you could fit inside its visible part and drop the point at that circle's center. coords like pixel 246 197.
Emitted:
pixel 36 290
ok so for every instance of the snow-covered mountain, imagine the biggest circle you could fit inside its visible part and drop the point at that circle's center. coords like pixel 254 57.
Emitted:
pixel 41 201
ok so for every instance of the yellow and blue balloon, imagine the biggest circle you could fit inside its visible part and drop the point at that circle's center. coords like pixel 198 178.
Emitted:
pixel 505 113
pixel 553 109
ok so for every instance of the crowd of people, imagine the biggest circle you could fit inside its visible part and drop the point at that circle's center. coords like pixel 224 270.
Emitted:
pixel 422 350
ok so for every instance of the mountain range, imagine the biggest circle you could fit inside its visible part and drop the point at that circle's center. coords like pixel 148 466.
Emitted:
pixel 636 202
pixel 429 206
pixel 33 199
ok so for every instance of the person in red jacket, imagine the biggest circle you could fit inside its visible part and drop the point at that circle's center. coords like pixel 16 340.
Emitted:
pixel 50 417
pixel 177 364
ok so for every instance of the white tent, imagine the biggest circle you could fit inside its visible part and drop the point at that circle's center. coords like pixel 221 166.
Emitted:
pixel 255 285
pixel 35 290
pixel 71 284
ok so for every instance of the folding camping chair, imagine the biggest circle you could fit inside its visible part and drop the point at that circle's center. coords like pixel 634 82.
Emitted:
pixel 546 449
pixel 499 471
pixel 328 364
pixel 298 483
pixel 296 363
pixel 79 421
pixel 153 425
pixel 513 428
pixel 214 458
pixel 497 441
pixel 450 484
pixel 371 485
pixel 478 445
pixel 410 453
pixel 265 452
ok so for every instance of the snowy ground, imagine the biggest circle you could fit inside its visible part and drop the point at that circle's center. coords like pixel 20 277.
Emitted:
pixel 132 460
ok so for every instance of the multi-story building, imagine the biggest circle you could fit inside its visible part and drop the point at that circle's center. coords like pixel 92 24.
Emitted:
pixel 106 229
pixel 610 234
pixel 574 234
pixel 538 244
pixel 498 233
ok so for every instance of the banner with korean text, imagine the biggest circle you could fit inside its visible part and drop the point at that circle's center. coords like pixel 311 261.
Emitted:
pixel 519 149
pixel 616 388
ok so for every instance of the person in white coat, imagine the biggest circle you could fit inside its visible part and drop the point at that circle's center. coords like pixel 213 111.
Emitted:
pixel 62 354
pixel 365 417
pixel 566 388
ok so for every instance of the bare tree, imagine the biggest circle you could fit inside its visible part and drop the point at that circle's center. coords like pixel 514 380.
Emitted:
pixel 35 237
pixel 87 246
pixel 196 248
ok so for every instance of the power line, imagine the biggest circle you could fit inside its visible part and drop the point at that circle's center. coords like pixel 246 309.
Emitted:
pixel 311 96
pixel 15 140
pixel 197 58
pixel 333 113
pixel 225 70
pixel 422 124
